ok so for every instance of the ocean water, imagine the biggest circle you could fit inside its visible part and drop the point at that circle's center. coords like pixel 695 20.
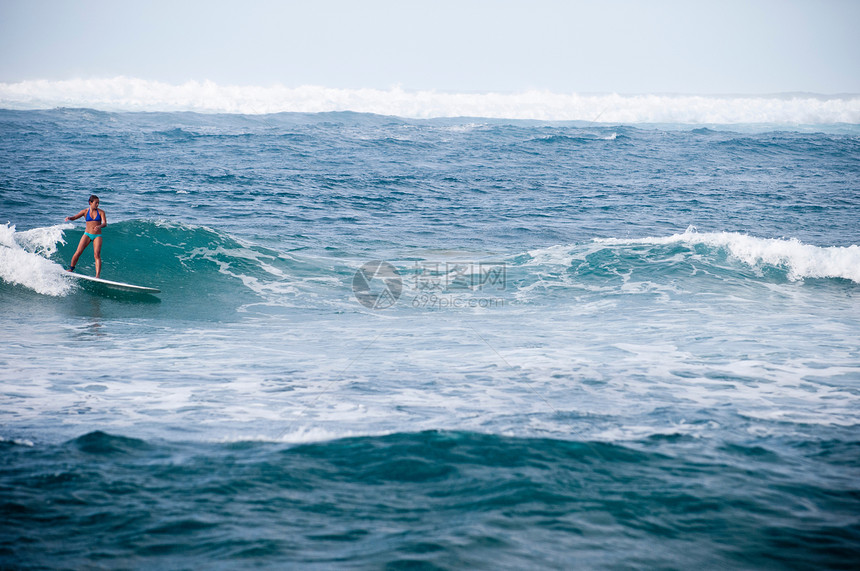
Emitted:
pixel 429 343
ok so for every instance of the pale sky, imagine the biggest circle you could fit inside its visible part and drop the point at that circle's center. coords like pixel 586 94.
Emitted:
pixel 622 46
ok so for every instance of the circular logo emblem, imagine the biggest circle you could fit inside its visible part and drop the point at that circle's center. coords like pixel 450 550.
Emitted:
pixel 377 285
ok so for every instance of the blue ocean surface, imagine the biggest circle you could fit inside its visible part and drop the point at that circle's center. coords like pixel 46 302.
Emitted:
pixel 387 343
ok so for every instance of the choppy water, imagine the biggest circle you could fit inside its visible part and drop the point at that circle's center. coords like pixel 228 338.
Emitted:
pixel 613 346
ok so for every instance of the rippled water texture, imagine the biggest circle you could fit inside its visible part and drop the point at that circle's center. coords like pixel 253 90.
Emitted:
pixel 592 346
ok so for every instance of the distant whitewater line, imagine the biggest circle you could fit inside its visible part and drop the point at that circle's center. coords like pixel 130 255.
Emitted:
pixel 130 94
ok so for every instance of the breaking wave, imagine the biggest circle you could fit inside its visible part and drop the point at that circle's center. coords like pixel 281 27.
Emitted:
pixel 23 259
pixel 789 257
pixel 132 94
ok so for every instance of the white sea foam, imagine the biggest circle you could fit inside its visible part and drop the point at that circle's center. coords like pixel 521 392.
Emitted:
pixel 18 441
pixel 799 259
pixel 131 94
pixel 42 241
pixel 23 262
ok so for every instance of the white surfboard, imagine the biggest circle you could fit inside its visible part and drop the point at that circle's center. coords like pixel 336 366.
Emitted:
pixel 115 285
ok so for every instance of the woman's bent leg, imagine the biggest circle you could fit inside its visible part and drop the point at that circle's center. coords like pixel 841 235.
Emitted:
pixel 85 240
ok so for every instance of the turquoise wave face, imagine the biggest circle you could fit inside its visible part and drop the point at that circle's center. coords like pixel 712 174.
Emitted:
pixel 202 273
pixel 209 274
pixel 693 260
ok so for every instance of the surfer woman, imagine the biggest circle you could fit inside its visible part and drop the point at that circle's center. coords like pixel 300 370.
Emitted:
pixel 96 220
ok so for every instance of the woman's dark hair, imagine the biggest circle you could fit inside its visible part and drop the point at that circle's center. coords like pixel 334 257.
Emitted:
pixel 93 197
